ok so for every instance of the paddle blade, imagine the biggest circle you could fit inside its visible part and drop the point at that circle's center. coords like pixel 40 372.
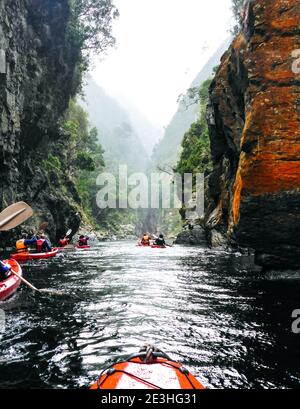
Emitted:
pixel 43 226
pixel 14 215
pixel 51 291
pixel 69 232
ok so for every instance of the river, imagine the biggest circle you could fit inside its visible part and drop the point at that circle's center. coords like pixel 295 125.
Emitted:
pixel 208 309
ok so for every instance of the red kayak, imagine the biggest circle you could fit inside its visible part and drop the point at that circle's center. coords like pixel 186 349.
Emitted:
pixel 69 247
pixel 143 245
pixel 26 256
pixel 155 246
pixel 147 371
pixel 82 247
pixel 9 286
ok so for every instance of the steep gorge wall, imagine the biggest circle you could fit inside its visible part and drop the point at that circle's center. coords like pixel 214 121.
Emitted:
pixel 253 194
pixel 37 78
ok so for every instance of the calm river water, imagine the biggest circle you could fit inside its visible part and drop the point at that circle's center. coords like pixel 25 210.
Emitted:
pixel 229 325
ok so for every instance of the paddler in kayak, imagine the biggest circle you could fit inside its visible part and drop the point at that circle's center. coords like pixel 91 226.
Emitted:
pixel 83 241
pixel 42 244
pixel 4 271
pixel 160 241
pixel 23 244
pixel 145 240
pixel 63 242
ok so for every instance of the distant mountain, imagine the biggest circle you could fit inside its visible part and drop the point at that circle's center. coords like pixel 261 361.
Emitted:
pixel 117 134
pixel 166 152
pixel 148 134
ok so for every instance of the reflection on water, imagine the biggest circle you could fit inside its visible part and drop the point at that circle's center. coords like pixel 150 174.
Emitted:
pixel 207 309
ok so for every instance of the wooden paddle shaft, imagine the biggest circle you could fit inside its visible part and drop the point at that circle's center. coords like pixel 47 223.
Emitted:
pixel 25 281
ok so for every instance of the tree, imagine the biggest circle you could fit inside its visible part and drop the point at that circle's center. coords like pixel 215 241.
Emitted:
pixel 237 7
pixel 90 26
pixel 84 149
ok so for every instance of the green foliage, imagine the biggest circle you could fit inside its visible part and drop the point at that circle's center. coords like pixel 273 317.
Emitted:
pixel 84 150
pixel 90 26
pixel 79 156
pixel 195 155
pixel 85 154
pixel 52 163
pixel 237 6
pixel 84 161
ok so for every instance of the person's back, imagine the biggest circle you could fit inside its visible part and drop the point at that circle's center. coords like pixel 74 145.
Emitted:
pixel 145 240
pixel 64 242
pixel 83 241
pixel 42 245
pixel 160 241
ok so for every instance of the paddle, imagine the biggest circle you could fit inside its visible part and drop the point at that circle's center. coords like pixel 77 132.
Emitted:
pixel 14 215
pixel 43 226
pixel 41 291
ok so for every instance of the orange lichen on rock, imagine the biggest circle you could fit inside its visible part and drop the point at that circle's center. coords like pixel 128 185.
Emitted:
pixel 255 106
pixel 271 136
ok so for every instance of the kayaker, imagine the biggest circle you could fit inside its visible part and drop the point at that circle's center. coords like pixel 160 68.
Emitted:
pixel 83 241
pixel 23 244
pixel 4 271
pixel 160 241
pixel 145 241
pixel 64 241
pixel 42 244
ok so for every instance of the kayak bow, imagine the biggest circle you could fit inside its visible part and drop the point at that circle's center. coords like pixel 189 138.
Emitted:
pixel 9 286
pixel 140 372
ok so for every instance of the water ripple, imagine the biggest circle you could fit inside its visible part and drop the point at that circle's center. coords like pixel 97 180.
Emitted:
pixel 227 324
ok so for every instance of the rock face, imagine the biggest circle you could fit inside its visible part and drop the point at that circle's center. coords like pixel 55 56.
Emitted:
pixel 37 78
pixel 194 236
pixel 254 121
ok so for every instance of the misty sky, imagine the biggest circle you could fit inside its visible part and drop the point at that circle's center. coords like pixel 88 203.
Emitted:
pixel 161 46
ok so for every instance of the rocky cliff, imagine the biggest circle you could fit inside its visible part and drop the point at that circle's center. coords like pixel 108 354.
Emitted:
pixel 37 78
pixel 253 194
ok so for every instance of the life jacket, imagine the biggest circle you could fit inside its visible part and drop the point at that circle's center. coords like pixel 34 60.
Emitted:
pixel 146 240
pixel 63 242
pixel 83 242
pixel 39 245
pixel 21 247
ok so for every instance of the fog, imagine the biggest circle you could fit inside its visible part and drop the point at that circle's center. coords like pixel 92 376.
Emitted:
pixel 161 46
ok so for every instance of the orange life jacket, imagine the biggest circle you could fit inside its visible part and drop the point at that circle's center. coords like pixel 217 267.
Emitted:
pixel 20 246
pixel 39 245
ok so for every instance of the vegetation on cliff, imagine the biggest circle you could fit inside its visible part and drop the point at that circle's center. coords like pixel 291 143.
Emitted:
pixel 90 27
pixel 45 48
pixel 237 6
pixel 76 159
pixel 195 156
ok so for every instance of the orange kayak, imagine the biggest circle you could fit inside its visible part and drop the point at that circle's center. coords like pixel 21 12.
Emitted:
pixel 160 372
